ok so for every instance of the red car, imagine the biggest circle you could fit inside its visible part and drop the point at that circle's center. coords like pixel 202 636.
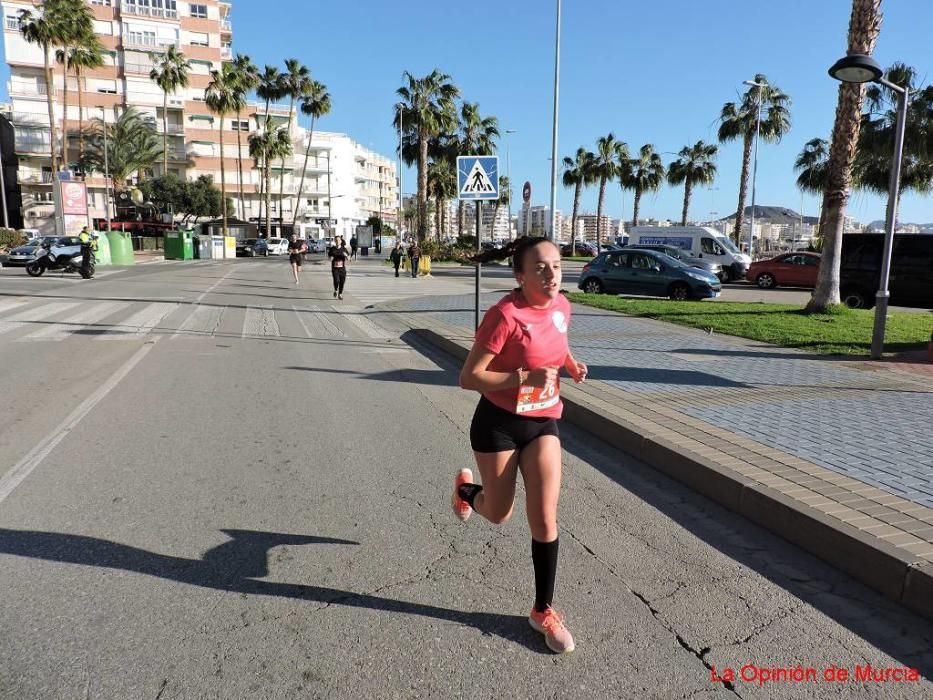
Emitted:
pixel 788 270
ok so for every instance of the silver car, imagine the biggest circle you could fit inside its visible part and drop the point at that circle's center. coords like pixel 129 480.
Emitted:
pixel 26 253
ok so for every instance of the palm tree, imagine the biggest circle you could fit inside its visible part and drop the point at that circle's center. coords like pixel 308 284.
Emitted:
pixel 811 163
pixel 295 82
pixel 477 136
pixel 132 144
pixel 642 174
pixel 694 166
pixel 740 120
pixel 85 56
pixel 170 73
pixel 315 103
pixel 442 186
pixel 427 111
pixel 44 26
pixel 864 27
pixel 223 96
pixel 247 78
pixel 578 172
pixel 265 147
pixel 609 157
pixel 269 89
pixel 77 23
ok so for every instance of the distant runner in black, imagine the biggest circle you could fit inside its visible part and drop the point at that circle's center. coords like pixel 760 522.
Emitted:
pixel 339 254
pixel 295 250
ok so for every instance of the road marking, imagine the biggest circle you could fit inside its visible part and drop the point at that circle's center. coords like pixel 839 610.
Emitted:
pixel 139 323
pixel 9 304
pixel 34 315
pixel 22 469
pixel 322 326
pixel 59 331
pixel 191 323
pixel 260 322
pixel 204 320
pixel 368 328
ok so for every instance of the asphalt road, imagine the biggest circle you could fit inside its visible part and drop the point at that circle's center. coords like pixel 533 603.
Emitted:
pixel 216 485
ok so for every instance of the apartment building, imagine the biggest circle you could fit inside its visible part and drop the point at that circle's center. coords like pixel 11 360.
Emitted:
pixel 132 33
pixel 536 221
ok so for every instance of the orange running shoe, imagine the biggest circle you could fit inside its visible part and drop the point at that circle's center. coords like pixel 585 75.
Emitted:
pixel 551 625
pixel 461 508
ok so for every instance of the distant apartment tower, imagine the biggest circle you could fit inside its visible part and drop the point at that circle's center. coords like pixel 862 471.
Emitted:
pixel 608 228
pixel 133 33
pixel 536 221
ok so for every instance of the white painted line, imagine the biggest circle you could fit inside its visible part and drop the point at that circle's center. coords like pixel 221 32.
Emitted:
pixel 319 321
pixel 198 301
pixel 260 322
pixel 34 315
pixel 204 320
pixel 139 323
pixel 9 304
pixel 59 331
pixel 368 328
pixel 22 469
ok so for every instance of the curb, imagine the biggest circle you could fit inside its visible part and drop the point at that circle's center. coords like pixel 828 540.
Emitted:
pixel 891 571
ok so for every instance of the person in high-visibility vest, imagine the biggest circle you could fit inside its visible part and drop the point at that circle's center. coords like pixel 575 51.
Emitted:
pixel 88 246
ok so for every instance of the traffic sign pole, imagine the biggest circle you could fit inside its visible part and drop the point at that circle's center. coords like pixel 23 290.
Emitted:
pixel 479 268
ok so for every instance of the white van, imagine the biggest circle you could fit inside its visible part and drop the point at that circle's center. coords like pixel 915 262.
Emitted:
pixel 697 241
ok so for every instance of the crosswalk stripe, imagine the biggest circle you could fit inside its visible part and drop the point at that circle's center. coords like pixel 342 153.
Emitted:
pixel 34 315
pixel 316 324
pixel 9 304
pixel 204 320
pixel 139 323
pixel 59 331
pixel 260 322
pixel 368 328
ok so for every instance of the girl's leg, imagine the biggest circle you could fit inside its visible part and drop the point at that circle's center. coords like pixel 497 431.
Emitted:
pixel 343 280
pixel 498 472
pixel 334 274
pixel 295 271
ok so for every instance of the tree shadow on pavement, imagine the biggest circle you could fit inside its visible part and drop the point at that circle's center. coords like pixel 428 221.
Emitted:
pixel 410 376
pixel 235 566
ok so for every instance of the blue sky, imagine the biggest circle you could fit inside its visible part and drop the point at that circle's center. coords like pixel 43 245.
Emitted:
pixel 650 72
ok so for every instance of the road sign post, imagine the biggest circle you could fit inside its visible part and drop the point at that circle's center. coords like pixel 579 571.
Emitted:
pixel 477 179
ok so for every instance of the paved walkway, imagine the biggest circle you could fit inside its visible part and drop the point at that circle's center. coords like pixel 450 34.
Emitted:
pixel 845 442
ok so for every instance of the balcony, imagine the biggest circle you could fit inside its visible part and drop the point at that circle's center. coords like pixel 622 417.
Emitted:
pixel 172 130
pixel 146 41
pixel 142 11
pixel 44 178
pixel 226 25
pixel 226 52
pixel 11 24
pixel 26 89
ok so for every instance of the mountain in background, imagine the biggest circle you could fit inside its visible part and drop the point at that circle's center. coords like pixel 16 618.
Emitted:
pixel 879 226
pixel 774 215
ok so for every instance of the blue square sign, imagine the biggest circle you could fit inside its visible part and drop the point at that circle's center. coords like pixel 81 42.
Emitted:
pixel 478 177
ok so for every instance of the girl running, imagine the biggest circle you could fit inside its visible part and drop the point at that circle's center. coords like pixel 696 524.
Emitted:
pixel 338 254
pixel 515 364
pixel 295 250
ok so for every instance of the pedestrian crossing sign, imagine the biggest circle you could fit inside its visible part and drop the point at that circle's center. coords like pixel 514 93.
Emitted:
pixel 478 177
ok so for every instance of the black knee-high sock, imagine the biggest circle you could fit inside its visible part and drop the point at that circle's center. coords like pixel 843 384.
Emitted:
pixel 468 492
pixel 544 559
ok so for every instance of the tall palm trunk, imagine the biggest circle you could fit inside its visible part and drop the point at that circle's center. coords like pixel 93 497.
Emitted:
pixel 743 188
pixel 165 133
pixel 268 164
pixel 599 213
pixel 50 100
pixel 864 27
pixel 223 177
pixel 65 106
pixel 301 187
pixel 688 191
pixel 578 188
pixel 291 106
pixel 637 206
pixel 460 214
pixel 422 185
pixel 239 165
pixel 438 215
pixel 262 189
pixel 80 117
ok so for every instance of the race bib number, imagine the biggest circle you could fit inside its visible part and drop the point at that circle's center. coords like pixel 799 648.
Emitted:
pixel 338 263
pixel 533 398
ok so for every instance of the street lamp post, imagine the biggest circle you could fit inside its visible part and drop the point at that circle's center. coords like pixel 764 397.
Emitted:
pixel 399 220
pixel 103 119
pixel 751 223
pixel 859 68
pixel 508 167
pixel 553 235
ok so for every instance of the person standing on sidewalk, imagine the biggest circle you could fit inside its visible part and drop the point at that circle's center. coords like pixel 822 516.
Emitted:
pixel 396 256
pixel 515 363
pixel 296 249
pixel 414 256
pixel 353 245
pixel 339 254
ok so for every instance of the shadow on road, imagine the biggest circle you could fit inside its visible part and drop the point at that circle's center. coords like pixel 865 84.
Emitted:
pixel 234 566
pixel 411 376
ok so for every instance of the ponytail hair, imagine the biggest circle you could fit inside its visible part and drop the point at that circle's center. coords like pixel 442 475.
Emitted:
pixel 514 249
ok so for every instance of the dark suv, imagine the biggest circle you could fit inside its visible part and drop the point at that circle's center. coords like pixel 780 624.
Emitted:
pixel 911 269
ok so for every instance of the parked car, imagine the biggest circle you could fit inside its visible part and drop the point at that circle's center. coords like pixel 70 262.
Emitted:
pixel 698 242
pixel 277 246
pixel 684 257
pixel 648 273
pixel 26 253
pixel 911 269
pixel 318 245
pixel 246 247
pixel 260 246
pixel 787 270
pixel 583 249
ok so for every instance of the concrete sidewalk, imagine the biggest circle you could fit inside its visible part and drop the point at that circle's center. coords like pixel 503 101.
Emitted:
pixel 832 455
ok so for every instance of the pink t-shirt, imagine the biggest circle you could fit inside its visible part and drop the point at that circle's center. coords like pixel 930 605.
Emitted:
pixel 523 337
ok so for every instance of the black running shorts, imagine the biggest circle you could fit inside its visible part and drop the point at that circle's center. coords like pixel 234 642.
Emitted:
pixel 496 430
pixel 295 259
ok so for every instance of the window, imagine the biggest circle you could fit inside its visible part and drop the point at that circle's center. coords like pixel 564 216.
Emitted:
pixel 107 86
pixel 707 246
pixel 199 11
pixel 641 262
pixel 107 3
pixel 198 38
pixel 241 125
pixel 102 27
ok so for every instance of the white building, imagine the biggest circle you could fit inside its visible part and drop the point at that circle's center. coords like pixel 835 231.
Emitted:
pixel 536 221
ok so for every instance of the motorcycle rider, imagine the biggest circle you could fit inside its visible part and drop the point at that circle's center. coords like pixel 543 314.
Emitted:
pixel 88 246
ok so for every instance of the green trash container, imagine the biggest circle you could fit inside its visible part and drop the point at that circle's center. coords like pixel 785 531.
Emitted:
pixel 121 248
pixel 102 256
pixel 179 245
